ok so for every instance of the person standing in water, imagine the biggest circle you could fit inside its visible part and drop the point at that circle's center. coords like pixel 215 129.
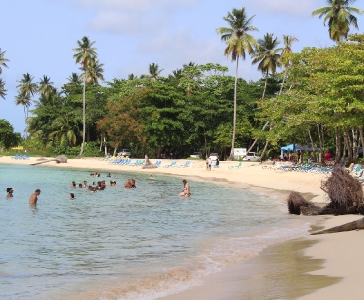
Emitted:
pixel 186 192
pixel 34 197
pixel 10 192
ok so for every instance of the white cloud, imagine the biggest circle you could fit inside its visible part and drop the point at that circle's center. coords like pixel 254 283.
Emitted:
pixel 293 8
pixel 135 5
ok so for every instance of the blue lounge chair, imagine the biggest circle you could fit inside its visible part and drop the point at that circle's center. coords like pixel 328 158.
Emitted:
pixel 240 164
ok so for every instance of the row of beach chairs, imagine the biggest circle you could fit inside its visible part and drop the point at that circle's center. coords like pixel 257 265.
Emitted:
pixel 16 156
pixel 308 168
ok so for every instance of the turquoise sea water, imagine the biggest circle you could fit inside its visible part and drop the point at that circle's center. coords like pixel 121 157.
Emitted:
pixel 141 243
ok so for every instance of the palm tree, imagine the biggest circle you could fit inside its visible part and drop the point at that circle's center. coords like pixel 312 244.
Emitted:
pixel 2 89
pixel 85 55
pixel 267 56
pixel 238 42
pixel 339 17
pixel 176 74
pixel 3 61
pixel 24 100
pixel 287 40
pixel 27 87
pixel 45 86
pixel 154 72
pixel 132 76
pixel 64 130
pixel 94 72
pixel 74 78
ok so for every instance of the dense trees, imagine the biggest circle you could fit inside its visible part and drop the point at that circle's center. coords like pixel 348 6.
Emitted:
pixel 8 138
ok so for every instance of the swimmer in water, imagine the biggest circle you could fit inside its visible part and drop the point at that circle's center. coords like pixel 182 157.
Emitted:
pixel 186 192
pixel 71 196
pixel 10 192
pixel 34 197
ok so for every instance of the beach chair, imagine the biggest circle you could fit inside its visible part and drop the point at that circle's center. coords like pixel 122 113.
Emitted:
pixel 199 165
pixel 186 164
pixel 240 164
pixel 15 156
pixel 172 164
pixel 158 163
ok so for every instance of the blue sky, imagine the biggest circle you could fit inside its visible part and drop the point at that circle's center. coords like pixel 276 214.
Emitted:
pixel 39 35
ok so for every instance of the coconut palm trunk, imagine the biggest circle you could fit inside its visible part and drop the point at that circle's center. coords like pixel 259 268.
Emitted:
pixel 234 118
pixel 83 118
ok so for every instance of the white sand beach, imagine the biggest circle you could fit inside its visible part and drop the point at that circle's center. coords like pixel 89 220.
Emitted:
pixel 341 252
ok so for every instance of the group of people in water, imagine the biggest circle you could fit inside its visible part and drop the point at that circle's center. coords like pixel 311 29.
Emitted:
pixel 97 186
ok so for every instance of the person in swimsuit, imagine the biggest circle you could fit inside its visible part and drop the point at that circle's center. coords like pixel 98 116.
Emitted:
pixel 186 192
pixel 10 192
pixel 71 196
pixel 34 197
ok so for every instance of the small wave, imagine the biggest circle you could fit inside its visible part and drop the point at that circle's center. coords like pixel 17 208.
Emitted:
pixel 213 257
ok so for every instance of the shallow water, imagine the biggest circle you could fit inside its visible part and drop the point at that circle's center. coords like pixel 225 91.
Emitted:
pixel 142 243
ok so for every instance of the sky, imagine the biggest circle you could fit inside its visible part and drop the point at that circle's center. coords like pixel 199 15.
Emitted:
pixel 39 35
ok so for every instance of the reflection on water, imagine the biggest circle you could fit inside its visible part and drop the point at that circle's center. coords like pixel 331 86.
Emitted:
pixel 110 241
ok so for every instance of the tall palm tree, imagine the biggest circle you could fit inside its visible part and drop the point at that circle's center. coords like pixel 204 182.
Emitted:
pixel 2 89
pixel 74 78
pixel 238 42
pixel 85 55
pixel 154 72
pixel 27 87
pixel 3 61
pixel 132 76
pixel 288 41
pixel 339 17
pixel 268 56
pixel 45 86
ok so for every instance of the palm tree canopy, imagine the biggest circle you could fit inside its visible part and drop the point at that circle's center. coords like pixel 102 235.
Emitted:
pixel 3 61
pixel 154 72
pixel 45 86
pixel 94 72
pixel 339 17
pixel 237 39
pixel 2 89
pixel 27 87
pixel 74 78
pixel 267 54
pixel 85 52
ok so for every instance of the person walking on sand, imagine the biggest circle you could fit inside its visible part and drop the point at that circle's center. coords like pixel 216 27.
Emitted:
pixel 34 197
pixel 186 192
pixel 210 163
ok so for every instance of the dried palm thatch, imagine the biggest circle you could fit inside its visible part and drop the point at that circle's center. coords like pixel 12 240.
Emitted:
pixel 295 201
pixel 342 190
pixel 148 164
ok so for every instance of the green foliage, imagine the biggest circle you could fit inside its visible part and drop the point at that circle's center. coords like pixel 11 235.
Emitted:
pixel 8 138
pixel 91 149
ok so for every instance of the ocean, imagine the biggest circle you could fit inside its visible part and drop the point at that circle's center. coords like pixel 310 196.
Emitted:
pixel 142 243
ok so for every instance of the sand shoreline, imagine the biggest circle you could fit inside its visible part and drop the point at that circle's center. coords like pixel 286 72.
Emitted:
pixel 326 247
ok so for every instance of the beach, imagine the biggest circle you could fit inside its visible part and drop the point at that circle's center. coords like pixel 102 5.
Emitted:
pixel 335 258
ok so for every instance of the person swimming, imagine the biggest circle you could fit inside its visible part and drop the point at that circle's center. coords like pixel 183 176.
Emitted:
pixel 10 192
pixel 80 186
pixel 71 196
pixel 73 185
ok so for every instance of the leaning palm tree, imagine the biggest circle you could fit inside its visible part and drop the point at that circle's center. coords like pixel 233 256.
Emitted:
pixel 85 54
pixel 24 100
pixel 268 56
pixel 45 86
pixel 238 42
pixel 3 61
pixel 2 89
pixel 74 78
pixel 287 40
pixel 154 72
pixel 339 17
